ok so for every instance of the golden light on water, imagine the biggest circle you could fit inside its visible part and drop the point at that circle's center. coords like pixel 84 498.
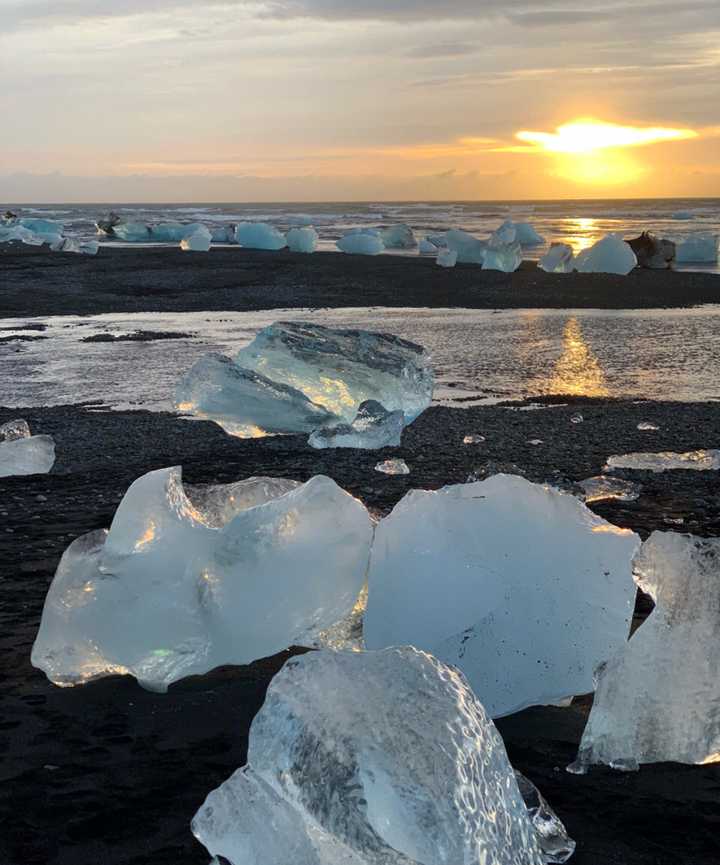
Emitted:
pixel 577 370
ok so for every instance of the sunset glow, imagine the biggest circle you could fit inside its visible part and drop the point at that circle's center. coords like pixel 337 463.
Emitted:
pixel 588 136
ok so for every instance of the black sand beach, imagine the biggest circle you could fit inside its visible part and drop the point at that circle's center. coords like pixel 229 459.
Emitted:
pixel 109 773
pixel 166 279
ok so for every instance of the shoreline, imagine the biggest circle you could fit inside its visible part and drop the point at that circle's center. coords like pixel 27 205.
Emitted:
pixel 36 284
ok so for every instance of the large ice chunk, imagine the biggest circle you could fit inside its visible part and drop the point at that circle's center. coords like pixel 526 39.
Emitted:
pixel 370 758
pixel 179 586
pixel 198 241
pixel 223 233
pixel 525 233
pixel 519 585
pixel 132 232
pixel 427 247
pixel 558 259
pixel 246 403
pixel 657 697
pixel 373 428
pixel 398 236
pixel 502 255
pixel 555 843
pixel 360 243
pixel 174 232
pixel 22 453
pixel 469 249
pixel 702 460
pixel 340 369
pixel 259 235
pixel 609 255
pixel 302 239
pixel 698 249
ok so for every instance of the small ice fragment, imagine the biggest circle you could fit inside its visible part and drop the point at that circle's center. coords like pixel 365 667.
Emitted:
pixel 577 418
pixel 370 758
pixel 674 521
pixel 447 257
pixel 373 428
pixel 657 696
pixel 609 255
pixel 22 453
pixel 602 487
pixel 558 259
pixel 259 235
pixel 357 243
pixel 701 460
pixel 302 239
pixel 473 439
pixel 14 430
pixel 646 426
pixel 534 442
pixel 555 843
pixel 393 467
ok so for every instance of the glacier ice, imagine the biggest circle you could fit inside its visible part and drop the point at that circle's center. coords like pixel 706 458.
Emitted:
pixel 469 249
pixel 198 241
pixel 646 426
pixel 174 232
pixel 302 239
pixel 398 236
pixel 701 460
pixel 133 232
pixel 370 758
pixel 447 257
pixel 260 235
pixel 223 233
pixel 609 255
pixel 558 259
pixel 22 453
pixel 601 487
pixel 179 586
pixel 525 233
pixel 698 249
pixel 503 546
pixel 373 428
pixel 657 697
pixel 552 837
pixel 506 257
pixel 246 403
pixel 393 467
pixel 427 247
pixel 360 243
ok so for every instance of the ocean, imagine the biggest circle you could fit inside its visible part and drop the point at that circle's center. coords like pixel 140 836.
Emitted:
pixel 579 223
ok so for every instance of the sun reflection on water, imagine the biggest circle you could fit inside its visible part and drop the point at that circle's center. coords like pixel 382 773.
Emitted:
pixel 577 370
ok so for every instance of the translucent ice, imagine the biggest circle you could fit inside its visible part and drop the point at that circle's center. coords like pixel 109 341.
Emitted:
pixel 198 241
pixel 173 232
pixel 373 428
pixel 302 239
pixel 609 255
pixel 398 237
pixel 358 243
pixel 456 571
pixel 469 249
pixel 132 231
pixel 506 257
pixel 19 234
pixel 393 467
pixel 427 247
pixel 657 697
pixel 526 235
pixel 702 460
pixel 22 453
pixel 602 487
pixel 259 235
pixel 447 257
pixel 47 229
pixel 558 259
pixel 698 249
pixel 473 439
pixel 370 758
pixel 246 403
pixel 555 843
pixel 223 234
pixel 179 586
pixel 646 426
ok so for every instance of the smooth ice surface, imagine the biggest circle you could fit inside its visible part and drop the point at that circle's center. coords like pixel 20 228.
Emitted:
pixel 357 243
pixel 699 248
pixel 398 237
pixel 181 584
pixel 609 255
pixel 22 453
pixel 393 467
pixel 702 460
pixel 246 403
pixel 302 239
pixel 519 585
pixel 373 428
pixel 558 259
pixel 339 369
pixel 526 235
pixel 133 232
pixel 506 257
pixel 602 487
pixel 469 249
pixel 447 257
pixel 198 241
pixel 259 235
pixel 554 842
pixel 370 758
pixel 658 697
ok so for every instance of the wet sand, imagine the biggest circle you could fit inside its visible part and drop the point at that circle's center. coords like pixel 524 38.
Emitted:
pixel 34 283
pixel 111 773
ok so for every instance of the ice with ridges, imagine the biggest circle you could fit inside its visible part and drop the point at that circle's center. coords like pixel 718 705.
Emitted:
pixel 260 235
pixel 370 758
pixel 22 453
pixel 658 696
pixel 373 428
pixel 302 239
pixel 504 547
pixel 469 249
pixel 609 255
pixel 178 587
pixel 558 259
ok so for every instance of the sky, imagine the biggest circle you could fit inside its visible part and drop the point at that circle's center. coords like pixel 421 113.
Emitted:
pixel 339 100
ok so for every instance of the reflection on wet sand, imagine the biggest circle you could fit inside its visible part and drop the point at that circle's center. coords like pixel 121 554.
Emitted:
pixel 577 370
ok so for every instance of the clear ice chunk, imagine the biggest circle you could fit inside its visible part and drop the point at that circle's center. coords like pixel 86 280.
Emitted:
pixel 180 586
pixel 506 257
pixel 198 241
pixel 504 546
pixel 132 232
pixel 427 247
pixel 609 255
pixel 373 428
pixel 554 842
pixel 370 758
pixel 701 460
pixel 469 249
pixel 22 453
pixel 473 439
pixel 646 426
pixel 602 487
pixel 526 235
pixel 360 243
pixel 398 236
pixel 259 235
pixel 558 259
pixel 447 257
pixel 393 467
pixel 657 696
pixel 302 239
pixel 698 249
